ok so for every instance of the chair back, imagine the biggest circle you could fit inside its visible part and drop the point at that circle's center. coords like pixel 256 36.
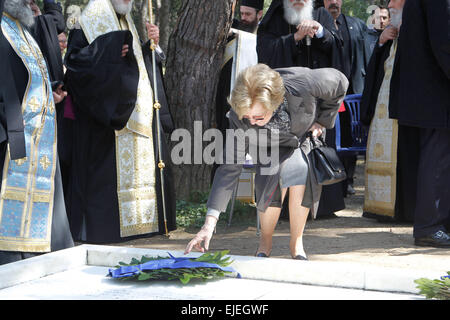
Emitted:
pixel 358 131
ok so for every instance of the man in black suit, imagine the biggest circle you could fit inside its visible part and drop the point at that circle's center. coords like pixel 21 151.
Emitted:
pixel 420 99
pixel 353 56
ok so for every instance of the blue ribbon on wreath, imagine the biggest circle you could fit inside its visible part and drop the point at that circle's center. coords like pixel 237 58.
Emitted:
pixel 165 263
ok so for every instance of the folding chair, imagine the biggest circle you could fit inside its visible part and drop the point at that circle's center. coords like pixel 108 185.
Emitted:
pixel 358 131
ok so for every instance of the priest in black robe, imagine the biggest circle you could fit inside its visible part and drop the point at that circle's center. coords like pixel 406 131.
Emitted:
pixel 277 43
pixel 48 24
pixel 420 99
pixel 405 177
pixel 104 72
pixel 16 85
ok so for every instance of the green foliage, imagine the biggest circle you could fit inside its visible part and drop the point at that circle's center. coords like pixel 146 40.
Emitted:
pixel 192 212
pixel 184 275
pixel 435 289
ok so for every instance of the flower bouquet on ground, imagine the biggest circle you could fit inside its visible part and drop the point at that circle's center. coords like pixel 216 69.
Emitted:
pixel 207 266
pixel 437 289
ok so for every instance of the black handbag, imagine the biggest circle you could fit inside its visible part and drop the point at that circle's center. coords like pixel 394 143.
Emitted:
pixel 327 167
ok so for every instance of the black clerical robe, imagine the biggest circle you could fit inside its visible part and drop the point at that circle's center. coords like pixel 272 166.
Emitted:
pixel 103 86
pixel 13 84
pixel 45 30
pixel 277 48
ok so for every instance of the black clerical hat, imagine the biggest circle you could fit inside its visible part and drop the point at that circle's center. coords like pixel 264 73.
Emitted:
pixel 257 4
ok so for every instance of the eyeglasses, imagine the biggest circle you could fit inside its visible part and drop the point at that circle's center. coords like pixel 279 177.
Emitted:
pixel 256 118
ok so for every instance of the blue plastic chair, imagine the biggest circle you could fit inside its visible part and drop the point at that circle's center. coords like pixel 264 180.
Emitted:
pixel 359 132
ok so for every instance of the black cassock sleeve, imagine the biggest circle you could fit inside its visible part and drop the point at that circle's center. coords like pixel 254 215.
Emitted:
pixel 11 120
pixel 373 81
pixel 45 30
pixel 53 11
pixel 101 82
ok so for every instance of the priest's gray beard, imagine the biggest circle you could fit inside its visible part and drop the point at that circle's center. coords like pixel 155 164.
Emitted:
pixel 396 17
pixel 20 10
pixel 294 16
pixel 122 7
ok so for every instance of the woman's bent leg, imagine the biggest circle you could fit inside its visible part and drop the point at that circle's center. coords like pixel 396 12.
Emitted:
pixel 297 220
pixel 268 221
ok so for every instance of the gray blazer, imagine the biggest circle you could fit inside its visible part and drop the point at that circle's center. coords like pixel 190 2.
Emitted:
pixel 313 95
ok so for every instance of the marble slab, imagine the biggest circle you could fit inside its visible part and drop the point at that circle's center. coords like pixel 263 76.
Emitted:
pixel 83 269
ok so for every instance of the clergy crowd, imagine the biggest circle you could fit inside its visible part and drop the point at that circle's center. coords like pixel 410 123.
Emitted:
pixel 84 120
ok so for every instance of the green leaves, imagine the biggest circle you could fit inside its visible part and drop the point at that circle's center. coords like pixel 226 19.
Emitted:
pixel 216 258
pixel 437 289
pixel 184 275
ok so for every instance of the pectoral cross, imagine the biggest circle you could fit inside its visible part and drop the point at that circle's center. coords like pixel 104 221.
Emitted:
pixel 34 104
pixel 45 162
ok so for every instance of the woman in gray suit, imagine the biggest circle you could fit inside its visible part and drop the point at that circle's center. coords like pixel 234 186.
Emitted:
pixel 285 104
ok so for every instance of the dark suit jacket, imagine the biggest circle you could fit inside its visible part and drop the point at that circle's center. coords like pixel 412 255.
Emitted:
pixel 312 95
pixel 371 39
pixel 360 53
pixel 420 97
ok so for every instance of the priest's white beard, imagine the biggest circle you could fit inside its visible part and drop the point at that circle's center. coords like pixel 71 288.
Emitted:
pixel 294 16
pixel 121 7
pixel 396 17
pixel 20 10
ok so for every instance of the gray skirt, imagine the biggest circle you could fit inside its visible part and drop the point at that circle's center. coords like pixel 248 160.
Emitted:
pixel 294 170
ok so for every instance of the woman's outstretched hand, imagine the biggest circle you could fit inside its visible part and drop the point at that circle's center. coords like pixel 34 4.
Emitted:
pixel 203 237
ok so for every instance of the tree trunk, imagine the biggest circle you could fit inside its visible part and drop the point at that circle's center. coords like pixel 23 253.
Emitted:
pixel 194 58
pixel 140 15
pixel 164 24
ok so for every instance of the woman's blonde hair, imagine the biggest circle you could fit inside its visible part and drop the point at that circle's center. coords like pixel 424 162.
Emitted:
pixel 257 83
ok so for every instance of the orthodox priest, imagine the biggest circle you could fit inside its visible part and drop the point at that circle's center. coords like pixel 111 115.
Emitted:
pixel 32 213
pixel 293 33
pixel 116 188
pixel 391 168
pixel 251 12
pixel 47 25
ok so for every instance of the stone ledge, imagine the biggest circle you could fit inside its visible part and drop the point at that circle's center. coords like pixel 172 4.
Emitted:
pixel 320 273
